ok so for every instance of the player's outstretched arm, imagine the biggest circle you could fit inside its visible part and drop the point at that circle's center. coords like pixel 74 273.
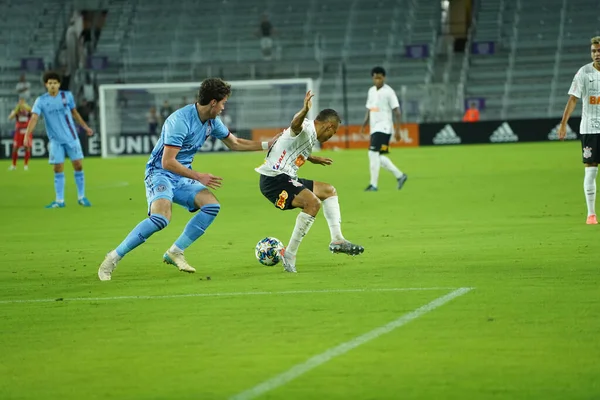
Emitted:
pixel 238 144
pixel 366 121
pixel 296 125
pixel 170 163
pixel 569 108
pixel 320 160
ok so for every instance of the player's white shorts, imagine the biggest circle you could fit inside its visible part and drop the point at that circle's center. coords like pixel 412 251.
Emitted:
pixel 59 150
pixel 178 190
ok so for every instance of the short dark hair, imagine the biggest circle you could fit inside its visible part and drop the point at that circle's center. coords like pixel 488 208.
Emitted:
pixel 213 89
pixel 378 70
pixel 51 75
pixel 328 115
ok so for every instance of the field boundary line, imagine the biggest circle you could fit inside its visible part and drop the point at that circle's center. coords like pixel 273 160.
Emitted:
pixel 315 361
pixel 223 294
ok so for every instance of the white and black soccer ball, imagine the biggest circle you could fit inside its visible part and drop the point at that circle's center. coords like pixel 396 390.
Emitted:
pixel 268 251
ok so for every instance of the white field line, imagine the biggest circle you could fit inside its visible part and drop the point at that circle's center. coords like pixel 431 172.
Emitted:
pixel 225 294
pixel 313 362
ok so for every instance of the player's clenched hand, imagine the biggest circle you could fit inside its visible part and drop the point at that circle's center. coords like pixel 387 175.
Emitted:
pixel 89 131
pixel 320 160
pixel 562 132
pixel 209 180
pixel 27 141
pixel 308 100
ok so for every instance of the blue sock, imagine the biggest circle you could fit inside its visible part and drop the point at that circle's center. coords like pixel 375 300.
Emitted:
pixel 80 182
pixel 141 232
pixel 59 186
pixel 197 225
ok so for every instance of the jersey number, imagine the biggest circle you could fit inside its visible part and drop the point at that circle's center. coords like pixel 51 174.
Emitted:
pixel 283 196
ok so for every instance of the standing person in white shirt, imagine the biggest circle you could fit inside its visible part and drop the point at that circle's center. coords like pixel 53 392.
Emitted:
pixel 586 86
pixel 22 88
pixel 381 103
pixel 280 184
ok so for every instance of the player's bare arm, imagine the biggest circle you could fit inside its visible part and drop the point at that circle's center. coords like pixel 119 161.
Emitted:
pixel 366 121
pixel 562 131
pixel 296 125
pixel 30 128
pixel 320 160
pixel 12 115
pixel 238 144
pixel 81 122
pixel 397 122
pixel 170 163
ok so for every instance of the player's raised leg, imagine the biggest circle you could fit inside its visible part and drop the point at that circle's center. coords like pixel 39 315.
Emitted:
pixel 331 210
pixel 387 164
pixel 75 153
pixel 589 188
pixel 195 197
pixel 158 219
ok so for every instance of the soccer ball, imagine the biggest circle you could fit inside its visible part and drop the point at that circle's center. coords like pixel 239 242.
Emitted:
pixel 268 250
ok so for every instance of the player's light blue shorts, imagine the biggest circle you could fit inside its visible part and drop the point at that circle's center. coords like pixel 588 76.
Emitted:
pixel 178 190
pixel 59 150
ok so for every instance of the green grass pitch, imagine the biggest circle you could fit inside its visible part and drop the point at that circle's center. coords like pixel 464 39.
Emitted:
pixel 506 220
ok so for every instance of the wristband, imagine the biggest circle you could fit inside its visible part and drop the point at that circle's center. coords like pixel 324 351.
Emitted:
pixel 265 145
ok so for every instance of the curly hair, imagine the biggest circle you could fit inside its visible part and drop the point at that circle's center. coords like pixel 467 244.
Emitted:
pixel 213 89
pixel 51 75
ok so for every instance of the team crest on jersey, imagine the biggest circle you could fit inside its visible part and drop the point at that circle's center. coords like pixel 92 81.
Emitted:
pixel 208 129
pixel 300 160
pixel 587 152
pixel 161 188
pixel 283 196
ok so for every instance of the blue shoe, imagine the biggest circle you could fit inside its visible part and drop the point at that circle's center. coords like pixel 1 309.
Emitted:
pixel 401 181
pixel 56 204
pixel 84 202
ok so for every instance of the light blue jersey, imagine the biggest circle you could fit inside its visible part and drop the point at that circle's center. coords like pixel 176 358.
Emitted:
pixel 56 110
pixel 184 129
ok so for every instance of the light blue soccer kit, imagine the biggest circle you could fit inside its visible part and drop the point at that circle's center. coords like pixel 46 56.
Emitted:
pixel 64 141
pixel 60 127
pixel 182 129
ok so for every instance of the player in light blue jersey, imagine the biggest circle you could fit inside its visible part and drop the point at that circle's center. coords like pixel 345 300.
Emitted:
pixel 58 108
pixel 170 178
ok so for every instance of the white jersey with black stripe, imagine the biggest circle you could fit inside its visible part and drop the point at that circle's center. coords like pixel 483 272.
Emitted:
pixel 289 152
pixel 586 86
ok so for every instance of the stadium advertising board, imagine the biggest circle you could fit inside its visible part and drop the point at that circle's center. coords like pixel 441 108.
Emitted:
pixel 527 130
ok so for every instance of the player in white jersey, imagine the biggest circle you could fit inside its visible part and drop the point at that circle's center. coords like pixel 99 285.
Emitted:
pixel 381 103
pixel 586 86
pixel 280 184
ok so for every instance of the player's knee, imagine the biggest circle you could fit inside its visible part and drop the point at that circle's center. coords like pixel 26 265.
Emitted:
pixel 77 165
pixel 313 205
pixel 211 209
pixel 159 220
pixel 330 191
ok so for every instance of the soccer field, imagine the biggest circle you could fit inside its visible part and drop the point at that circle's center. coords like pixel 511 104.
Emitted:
pixel 504 222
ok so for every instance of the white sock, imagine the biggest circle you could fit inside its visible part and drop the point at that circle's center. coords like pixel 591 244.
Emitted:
pixel 303 224
pixel 331 210
pixel 589 188
pixel 115 255
pixel 374 165
pixel 389 165
pixel 175 249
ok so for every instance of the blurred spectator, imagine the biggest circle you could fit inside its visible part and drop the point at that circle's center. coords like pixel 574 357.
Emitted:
pixel 73 54
pixel 266 31
pixel 23 88
pixel 472 114
pixel 152 117
pixel 227 121
pixel 165 110
pixel 89 92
